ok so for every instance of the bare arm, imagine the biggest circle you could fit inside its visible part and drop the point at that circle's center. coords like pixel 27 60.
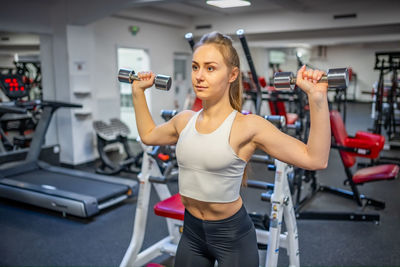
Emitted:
pixel 314 154
pixel 149 132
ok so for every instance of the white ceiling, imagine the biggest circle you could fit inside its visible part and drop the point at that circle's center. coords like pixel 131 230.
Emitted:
pixel 193 13
pixel 185 13
pixel 195 8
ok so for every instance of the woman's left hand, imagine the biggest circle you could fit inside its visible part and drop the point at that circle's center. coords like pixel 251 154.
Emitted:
pixel 307 79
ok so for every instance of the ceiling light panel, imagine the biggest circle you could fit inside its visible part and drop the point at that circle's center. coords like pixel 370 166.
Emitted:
pixel 228 3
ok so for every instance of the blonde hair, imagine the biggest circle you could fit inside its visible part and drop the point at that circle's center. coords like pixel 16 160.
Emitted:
pixel 231 58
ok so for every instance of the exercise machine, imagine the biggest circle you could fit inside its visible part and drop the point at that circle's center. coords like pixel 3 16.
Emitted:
pixel 172 209
pixel 387 102
pixel 115 133
pixel 19 127
pixel 362 145
pixel 65 190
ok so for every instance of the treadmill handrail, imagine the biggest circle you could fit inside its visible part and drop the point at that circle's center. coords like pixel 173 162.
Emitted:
pixel 58 104
pixel 40 132
pixel 5 108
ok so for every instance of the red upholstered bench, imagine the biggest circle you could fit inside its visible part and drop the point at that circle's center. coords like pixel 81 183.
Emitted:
pixel 171 207
pixel 376 173
pixel 364 144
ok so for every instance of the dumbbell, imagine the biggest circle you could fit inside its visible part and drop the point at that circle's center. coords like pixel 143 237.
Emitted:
pixel 336 78
pixel 161 82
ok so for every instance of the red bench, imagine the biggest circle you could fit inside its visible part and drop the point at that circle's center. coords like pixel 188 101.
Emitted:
pixel 363 144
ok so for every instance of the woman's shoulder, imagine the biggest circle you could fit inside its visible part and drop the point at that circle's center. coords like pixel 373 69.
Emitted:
pixel 185 115
pixel 182 118
pixel 249 120
pixel 251 123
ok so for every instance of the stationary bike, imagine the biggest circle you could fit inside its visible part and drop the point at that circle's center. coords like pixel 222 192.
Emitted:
pixel 172 209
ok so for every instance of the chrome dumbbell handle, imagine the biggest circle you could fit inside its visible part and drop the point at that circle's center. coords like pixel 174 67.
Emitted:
pixel 161 82
pixel 336 78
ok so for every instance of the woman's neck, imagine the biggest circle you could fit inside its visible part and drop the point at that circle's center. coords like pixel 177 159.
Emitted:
pixel 217 109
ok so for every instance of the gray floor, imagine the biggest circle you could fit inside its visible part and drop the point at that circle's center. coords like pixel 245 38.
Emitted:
pixel 35 237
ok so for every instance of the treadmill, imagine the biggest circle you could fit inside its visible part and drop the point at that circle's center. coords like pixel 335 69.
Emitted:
pixel 65 190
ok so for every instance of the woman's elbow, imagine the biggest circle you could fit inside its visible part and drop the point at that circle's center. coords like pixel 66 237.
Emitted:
pixel 145 140
pixel 318 165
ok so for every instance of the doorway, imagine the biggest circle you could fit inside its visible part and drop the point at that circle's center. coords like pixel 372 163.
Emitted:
pixel 137 60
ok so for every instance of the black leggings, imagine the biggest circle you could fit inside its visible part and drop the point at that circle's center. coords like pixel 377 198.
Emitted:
pixel 231 242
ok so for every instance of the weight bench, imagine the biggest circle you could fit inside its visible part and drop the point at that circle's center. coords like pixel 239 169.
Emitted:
pixel 366 145
pixel 363 144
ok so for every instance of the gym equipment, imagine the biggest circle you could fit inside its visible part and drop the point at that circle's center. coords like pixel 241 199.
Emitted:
pixel 4 109
pixel 116 132
pixel 277 120
pixel 172 209
pixel 340 96
pixel 69 191
pixel 336 78
pixel 385 111
pixel 19 127
pixel 242 38
pixel 189 38
pixel 161 82
pixel 275 99
pixel 168 114
pixel 362 145
pixel 29 68
pixel 197 103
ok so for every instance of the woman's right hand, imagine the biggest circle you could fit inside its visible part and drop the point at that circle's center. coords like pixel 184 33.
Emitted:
pixel 146 81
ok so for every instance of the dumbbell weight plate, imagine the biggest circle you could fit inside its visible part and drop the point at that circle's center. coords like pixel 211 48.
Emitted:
pixel 162 82
pixel 283 81
pixel 338 78
pixel 124 75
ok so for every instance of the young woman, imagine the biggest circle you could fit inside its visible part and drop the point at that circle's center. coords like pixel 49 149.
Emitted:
pixel 214 146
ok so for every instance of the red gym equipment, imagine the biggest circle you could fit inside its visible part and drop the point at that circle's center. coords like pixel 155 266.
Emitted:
pixel 363 144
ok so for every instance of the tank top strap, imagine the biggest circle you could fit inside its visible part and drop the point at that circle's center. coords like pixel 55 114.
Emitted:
pixel 226 126
pixel 191 123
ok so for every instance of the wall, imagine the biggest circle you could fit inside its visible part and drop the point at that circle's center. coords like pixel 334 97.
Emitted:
pixel 361 57
pixel 161 42
pixel 81 54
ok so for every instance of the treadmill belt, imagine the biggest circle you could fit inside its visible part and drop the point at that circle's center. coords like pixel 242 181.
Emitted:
pixel 98 189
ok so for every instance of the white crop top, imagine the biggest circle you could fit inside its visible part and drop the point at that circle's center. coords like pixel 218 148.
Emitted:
pixel 209 169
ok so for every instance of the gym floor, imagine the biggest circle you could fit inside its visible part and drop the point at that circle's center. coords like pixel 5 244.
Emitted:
pixel 32 236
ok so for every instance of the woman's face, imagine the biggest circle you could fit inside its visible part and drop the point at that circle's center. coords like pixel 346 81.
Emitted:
pixel 211 77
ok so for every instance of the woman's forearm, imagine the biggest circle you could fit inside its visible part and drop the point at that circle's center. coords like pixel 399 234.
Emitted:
pixel 319 140
pixel 144 121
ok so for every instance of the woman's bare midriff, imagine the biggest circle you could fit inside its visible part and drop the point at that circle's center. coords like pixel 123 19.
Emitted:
pixel 211 211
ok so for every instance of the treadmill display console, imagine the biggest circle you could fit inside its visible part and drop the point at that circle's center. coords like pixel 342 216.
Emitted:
pixel 13 86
